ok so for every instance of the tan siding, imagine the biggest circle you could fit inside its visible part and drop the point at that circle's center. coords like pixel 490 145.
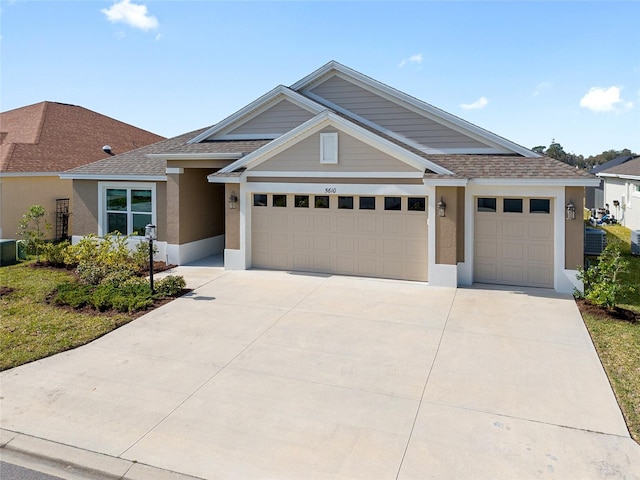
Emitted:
pixel 447 226
pixel 280 118
pixel 201 206
pixel 574 230
pixel 460 227
pixel 353 156
pixel 392 116
pixel 161 210
pixel 85 207
pixel 232 218
pixel 19 193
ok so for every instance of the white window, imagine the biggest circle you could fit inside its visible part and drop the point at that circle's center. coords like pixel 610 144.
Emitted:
pixel 329 148
pixel 126 207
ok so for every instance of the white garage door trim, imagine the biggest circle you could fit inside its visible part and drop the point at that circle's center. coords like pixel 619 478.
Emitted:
pixel 514 247
pixel 377 243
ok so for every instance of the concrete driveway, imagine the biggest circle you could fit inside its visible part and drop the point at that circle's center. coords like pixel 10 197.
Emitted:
pixel 261 374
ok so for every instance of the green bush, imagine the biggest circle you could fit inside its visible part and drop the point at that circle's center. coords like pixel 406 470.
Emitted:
pixel 602 285
pixel 55 253
pixel 97 258
pixel 73 294
pixel 170 286
pixel 140 256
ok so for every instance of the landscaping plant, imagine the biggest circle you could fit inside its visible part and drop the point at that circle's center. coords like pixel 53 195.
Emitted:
pixel 32 228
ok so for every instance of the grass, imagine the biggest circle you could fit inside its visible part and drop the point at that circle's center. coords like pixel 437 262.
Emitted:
pixel 31 328
pixel 618 341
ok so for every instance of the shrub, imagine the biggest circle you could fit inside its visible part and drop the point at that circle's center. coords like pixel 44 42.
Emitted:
pixel 97 258
pixel 170 286
pixel 73 294
pixel 140 256
pixel 55 253
pixel 602 285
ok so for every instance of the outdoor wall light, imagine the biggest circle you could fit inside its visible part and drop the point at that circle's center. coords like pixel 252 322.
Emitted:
pixel 442 207
pixel 571 210
pixel 233 200
pixel 150 234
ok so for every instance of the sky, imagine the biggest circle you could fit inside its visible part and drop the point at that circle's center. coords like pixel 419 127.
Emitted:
pixel 531 72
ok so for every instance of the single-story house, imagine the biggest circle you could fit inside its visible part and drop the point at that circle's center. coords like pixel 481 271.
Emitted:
pixel 594 196
pixel 622 192
pixel 340 173
pixel 38 142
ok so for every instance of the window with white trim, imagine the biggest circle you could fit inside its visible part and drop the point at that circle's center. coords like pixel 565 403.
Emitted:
pixel 126 208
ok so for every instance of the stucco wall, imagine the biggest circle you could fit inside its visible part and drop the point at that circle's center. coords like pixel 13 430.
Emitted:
pixel 574 230
pixel 19 193
pixel 232 218
pixel 447 235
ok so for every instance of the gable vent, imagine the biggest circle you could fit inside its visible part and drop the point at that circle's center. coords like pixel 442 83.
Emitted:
pixel 329 148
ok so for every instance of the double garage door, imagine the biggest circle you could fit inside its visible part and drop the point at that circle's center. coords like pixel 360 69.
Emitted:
pixel 373 236
pixel 514 242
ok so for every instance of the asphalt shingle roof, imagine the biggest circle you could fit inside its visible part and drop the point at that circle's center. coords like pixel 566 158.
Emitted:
pixel 632 167
pixel 54 137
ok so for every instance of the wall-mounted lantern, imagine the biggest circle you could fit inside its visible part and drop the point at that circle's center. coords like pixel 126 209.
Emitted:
pixel 150 233
pixel 442 208
pixel 571 210
pixel 233 201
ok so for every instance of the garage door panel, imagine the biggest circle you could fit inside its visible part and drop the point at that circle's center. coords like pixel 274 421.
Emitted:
pixel 375 243
pixel 514 248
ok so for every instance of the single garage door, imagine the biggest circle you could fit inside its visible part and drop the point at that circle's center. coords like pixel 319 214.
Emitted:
pixel 372 236
pixel 514 241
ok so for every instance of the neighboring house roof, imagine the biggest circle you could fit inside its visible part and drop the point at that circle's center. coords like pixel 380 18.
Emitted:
pixel 629 169
pixel 54 137
pixel 612 163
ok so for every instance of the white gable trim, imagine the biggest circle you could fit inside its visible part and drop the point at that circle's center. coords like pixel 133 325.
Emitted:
pixel 258 106
pixel 407 101
pixel 619 175
pixel 321 121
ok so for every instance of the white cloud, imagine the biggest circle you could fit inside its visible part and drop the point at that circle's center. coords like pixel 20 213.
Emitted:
pixel 540 87
pixel 417 58
pixel 133 14
pixel 599 99
pixel 480 103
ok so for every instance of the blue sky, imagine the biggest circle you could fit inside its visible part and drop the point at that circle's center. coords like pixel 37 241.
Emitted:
pixel 528 71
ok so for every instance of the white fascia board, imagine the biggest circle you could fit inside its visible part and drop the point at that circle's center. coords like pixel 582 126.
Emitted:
pixel 303 175
pixel 619 175
pixel 553 182
pixel 250 136
pixel 464 151
pixel 29 174
pixel 256 106
pixel 337 189
pixel 107 178
pixel 418 106
pixel 213 178
pixel 195 156
pixel 327 118
pixel 445 182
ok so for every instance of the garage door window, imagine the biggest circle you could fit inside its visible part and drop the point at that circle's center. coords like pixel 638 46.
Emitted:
pixel 512 205
pixel 259 200
pixel 486 204
pixel 367 203
pixel 392 203
pixel 417 204
pixel 279 200
pixel 301 201
pixel 539 205
pixel 322 201
pixel 345 203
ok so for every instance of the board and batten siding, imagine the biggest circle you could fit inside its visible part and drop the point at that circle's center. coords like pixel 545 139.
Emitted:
pixel 279 118
pixel 392 116
pixel 353 156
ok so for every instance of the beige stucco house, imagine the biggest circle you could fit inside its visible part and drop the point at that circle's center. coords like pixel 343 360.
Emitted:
pixel 339 173
pixel 39 141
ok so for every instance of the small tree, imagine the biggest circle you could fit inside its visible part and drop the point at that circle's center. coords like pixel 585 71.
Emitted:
pixel 602 285
pixel 33 228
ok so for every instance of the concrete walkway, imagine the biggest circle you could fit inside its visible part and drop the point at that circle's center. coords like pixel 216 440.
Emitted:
pixel 261 374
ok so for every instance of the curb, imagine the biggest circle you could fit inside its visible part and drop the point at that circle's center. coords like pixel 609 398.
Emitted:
pixel 72 463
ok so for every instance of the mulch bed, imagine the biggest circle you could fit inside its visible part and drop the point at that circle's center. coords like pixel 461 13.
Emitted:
pixel 6 290
pixel 616 313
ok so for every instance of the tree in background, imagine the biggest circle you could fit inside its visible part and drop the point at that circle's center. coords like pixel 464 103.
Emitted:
pixel 556 150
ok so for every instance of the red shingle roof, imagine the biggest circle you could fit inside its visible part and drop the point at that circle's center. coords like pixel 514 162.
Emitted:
pixel 54 137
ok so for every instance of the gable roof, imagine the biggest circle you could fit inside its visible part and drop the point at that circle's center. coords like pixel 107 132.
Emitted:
pixel 306 84
pixel 54 137
pixel 629 169
pixel 612 163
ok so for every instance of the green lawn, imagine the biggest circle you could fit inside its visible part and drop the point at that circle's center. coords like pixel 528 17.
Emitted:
pixel 618 341
pixel 30 328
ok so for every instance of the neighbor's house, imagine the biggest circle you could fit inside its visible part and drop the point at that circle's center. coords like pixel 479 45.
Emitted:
pixel 622 192
pixel 38 142
pixel 340 173
pixel 594 196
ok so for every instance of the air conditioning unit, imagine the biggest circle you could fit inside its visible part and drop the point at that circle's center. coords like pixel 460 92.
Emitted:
pixel 7 252
pixel 594 241
pixel 635 242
